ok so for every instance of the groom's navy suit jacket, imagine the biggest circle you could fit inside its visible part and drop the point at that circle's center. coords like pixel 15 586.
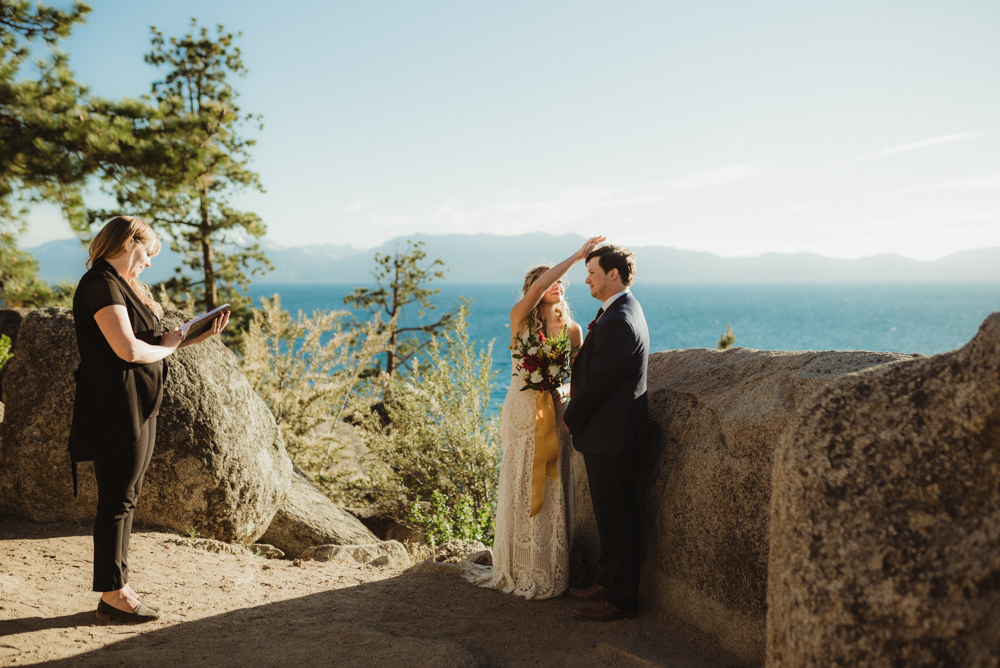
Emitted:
pixel 608 412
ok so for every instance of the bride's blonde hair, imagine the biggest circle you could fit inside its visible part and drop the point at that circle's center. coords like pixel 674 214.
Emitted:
pixel 534 319
pixel 113 240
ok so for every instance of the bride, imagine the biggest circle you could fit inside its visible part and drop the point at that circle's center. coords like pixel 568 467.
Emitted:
pixel 531 554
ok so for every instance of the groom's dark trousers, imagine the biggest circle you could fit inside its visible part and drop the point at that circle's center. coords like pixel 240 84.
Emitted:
pixel 608 416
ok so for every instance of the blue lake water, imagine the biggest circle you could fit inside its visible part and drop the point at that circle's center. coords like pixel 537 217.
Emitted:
pixel 909 318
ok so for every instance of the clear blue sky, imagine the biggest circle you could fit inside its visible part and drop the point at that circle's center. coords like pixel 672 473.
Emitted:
pixel 843 128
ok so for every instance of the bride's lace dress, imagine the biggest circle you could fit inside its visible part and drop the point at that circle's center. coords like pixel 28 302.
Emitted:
pixel 530 554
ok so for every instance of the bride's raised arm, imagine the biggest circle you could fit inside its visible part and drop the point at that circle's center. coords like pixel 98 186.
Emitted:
pixel 519 313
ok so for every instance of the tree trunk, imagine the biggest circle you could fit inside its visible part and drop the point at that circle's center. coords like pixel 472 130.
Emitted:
pixel 390 353
pixel 211 295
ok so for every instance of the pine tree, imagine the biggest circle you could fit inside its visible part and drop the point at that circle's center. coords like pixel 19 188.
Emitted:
pixel 43 123
pixel 53 136
pixel 38 140
pixel 402 279
pixel 192 160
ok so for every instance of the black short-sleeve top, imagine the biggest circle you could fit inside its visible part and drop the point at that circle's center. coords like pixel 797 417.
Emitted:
pixel 114 398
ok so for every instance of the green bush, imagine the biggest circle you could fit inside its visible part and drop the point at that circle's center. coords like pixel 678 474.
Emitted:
pixel 727 340
pixel 5 353
pixel 454 521
pixel 433 441
pixel 309 375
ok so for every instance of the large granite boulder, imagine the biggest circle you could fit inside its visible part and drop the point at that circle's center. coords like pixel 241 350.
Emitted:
pixel 10 323
pixel 886 517
pixel 307 518
pixel 705 493
pixel 219 466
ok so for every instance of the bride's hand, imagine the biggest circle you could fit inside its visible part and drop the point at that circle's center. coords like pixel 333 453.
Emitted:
pixel 590 244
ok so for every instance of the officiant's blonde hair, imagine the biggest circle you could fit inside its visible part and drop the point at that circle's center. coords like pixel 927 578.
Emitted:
pixel 534 319
pixel 113 240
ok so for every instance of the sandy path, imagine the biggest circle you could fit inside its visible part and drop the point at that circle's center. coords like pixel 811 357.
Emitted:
pixel 226 609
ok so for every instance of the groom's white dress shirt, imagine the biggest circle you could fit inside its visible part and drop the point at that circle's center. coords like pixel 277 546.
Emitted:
pixel 609 301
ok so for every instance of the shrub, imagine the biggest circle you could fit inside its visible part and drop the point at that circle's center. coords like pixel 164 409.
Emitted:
pixel 5 353
pixel 454 521
pixel 309 375
pixel 727 340
pixel 434 440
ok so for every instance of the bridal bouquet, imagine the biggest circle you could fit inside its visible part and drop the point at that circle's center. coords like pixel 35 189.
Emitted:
pixel 545 361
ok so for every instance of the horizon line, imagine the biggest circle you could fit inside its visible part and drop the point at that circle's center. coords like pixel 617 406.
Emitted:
pixel 362 249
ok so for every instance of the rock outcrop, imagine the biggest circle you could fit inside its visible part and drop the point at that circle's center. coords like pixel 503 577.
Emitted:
pixel 266 551
pixel 388 528
pixel 210 545
pixel 10 321
pixel 308 517
pixel 219 466
pixel 387 553
pixel 886 517
pixel 457 551
pixel 705 493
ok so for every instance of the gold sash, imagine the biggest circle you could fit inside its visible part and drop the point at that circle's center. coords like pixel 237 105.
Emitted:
pixel 546 462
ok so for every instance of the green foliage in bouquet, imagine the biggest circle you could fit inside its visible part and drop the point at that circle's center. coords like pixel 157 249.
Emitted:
pixel 546 361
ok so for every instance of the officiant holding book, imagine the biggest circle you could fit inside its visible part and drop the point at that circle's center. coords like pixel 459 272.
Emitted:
pixel 119 387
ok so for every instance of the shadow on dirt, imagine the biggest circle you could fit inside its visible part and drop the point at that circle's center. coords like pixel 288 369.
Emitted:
pixel 424 618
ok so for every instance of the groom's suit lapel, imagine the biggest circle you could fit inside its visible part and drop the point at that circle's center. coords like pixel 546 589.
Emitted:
pixel 616 304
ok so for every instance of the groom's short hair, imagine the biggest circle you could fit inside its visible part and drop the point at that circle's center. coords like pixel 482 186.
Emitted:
pixel 615 257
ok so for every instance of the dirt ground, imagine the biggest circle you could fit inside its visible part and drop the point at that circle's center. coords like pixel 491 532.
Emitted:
pixel 241 610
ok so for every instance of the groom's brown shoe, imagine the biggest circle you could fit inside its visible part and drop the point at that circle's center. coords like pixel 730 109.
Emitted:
pixel 603 612
pixel 594 592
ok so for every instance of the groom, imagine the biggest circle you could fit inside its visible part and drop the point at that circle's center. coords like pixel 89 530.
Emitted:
pixel 608 416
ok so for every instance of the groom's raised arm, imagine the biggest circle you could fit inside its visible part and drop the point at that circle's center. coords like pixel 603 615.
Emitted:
pixel 614 345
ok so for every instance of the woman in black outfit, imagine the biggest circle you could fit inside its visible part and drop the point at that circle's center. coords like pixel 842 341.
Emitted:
pixel 118 393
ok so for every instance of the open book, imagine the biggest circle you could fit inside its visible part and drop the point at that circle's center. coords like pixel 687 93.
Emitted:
pixel 202 322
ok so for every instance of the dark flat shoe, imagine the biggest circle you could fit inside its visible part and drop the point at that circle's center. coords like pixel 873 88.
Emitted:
pixel 151 607
pixel 143 613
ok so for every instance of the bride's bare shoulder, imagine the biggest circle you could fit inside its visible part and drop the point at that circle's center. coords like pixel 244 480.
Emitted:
pixel 575 333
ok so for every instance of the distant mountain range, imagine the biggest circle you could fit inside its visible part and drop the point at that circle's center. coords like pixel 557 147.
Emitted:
pixel 486 258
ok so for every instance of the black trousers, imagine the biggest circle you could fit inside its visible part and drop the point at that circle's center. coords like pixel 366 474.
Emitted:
pixel 612 490
pixel 119 481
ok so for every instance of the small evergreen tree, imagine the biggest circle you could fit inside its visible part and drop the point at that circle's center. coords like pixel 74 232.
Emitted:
pixel 402 279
